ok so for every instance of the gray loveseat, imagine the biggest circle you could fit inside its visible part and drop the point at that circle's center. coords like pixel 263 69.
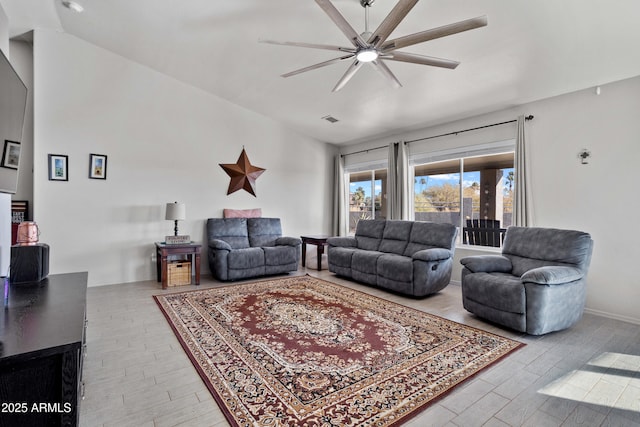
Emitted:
pixel 538 283
pixel 410 257
pixel 240 248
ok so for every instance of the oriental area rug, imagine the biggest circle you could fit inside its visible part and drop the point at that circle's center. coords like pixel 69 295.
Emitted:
pixel 300 351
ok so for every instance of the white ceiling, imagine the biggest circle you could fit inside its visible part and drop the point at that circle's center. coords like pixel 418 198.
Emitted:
pixel 530 50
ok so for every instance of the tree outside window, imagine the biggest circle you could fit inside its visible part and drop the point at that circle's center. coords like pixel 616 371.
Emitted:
pixel 466 189
pixel 367 196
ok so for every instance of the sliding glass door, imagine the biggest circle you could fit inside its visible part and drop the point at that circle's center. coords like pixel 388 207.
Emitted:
pixel 367 196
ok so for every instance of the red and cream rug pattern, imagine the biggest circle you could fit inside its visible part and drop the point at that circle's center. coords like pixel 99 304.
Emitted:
pixel 301 351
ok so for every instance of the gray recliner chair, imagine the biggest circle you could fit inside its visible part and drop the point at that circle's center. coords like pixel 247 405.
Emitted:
pixel 537 285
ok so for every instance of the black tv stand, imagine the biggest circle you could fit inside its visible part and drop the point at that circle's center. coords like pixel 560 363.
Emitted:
pixel 42 332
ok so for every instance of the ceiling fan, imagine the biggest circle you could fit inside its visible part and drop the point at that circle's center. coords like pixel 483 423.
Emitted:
pixel 374 47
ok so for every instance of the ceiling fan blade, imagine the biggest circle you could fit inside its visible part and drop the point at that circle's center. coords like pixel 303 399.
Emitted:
pixel 421 59
pixel 311 45
pixel 434 33
pixel 390 23
pixel 355 66
pixel 342 23
pixel 319 65
pixel 382 68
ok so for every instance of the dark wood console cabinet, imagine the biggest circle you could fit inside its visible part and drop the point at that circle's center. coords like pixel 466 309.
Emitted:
pixel 42 335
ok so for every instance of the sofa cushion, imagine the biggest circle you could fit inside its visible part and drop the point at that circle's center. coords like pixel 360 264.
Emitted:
pixel 395 237
pixel 263 231
pixel 245 258
pixel 231 230
pixel 365 261
pixel 396 267
pixel 427 235
pixel 369 234
pixel 501 291
pixel 279 255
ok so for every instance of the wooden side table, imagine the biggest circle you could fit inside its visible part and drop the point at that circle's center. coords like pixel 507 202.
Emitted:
pixel 320 241
pixel 163 251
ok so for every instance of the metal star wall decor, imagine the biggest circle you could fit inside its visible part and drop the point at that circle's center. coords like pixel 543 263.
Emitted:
pixel 243 174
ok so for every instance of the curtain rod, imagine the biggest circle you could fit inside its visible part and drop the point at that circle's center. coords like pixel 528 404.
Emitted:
pixel 364 151
pixel 529 117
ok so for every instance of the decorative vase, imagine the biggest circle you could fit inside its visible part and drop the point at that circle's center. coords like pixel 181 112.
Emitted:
pixel 28 233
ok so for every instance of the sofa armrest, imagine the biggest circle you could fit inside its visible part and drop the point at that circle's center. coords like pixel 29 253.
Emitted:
pixel 344 241
pixel 432 254
pixel 552 275
pixel 487 263
pixel 288 241
pixel 219 245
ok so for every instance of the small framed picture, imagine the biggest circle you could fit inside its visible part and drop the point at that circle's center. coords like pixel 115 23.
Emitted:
pixel 97 166
pixel 58 167
pixel 11 155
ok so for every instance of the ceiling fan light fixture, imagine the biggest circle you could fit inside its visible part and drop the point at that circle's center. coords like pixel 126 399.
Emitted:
pixel 367 55
pixel 374 47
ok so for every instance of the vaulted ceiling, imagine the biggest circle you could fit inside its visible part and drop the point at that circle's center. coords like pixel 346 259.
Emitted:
pixel 528 51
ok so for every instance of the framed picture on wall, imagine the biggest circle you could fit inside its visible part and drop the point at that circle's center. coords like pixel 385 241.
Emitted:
pixel 10 155
pixel 97 166
pixel 58 167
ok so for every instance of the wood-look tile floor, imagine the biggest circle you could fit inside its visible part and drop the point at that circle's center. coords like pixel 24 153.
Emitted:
pixel 136 373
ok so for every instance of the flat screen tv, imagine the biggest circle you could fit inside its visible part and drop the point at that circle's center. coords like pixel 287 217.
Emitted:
pixel 13 103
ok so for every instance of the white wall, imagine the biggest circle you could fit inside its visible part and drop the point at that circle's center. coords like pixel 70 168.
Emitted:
pixel 5 199
pixel 600 198
pixel 4 32
pixel 164 141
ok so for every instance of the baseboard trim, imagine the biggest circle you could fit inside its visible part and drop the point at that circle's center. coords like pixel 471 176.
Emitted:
pixel 612 316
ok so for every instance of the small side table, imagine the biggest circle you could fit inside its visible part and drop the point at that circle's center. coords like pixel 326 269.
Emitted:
pixel 163 251
pixel 320 241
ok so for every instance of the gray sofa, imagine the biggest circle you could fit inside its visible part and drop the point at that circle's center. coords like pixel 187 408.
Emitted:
pixel 413 258
pixel 240 248
pixel 536 286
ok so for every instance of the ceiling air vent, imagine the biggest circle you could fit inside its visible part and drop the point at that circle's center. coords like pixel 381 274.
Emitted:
pixel 330 119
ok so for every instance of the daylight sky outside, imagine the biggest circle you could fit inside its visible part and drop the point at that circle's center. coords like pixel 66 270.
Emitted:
pixel 366 186
pixel 424 182
pixel 429 181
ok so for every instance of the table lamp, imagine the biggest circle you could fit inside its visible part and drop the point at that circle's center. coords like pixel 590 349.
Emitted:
pixel 175 211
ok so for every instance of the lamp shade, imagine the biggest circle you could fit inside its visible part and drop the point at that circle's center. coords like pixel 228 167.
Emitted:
pixel 175 211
